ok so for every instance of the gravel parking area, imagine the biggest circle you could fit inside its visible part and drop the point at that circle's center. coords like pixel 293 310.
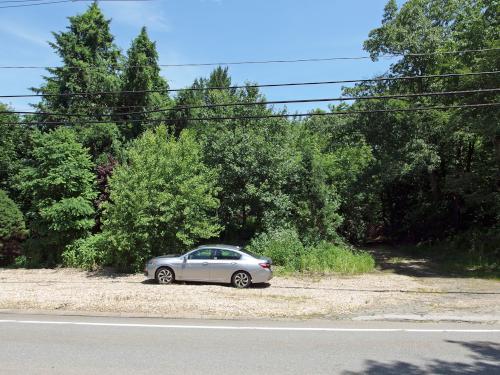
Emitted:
pixel 76 291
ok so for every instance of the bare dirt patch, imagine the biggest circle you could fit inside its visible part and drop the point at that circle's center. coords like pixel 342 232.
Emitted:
pixel 287 297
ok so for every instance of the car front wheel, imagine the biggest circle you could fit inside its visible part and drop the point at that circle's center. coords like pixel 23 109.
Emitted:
pixel 241 280
pixel 164 276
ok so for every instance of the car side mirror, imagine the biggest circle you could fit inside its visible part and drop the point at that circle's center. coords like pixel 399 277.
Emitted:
pixel 184 259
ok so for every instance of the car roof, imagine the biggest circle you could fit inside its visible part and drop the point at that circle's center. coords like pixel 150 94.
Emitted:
pixel 220 246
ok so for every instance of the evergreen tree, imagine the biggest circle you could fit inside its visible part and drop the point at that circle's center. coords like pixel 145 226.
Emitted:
pixel 90 63
pixel 141 73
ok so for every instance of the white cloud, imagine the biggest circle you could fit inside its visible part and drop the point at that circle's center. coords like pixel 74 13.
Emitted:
pixel 138 14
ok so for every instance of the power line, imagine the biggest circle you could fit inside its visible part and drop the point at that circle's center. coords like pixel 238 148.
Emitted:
pixel 378 79
pixel 272 102
pixel 19 1
pixel 35 4
pixel 249 62
pixel 31 3
pixel 284 115
pixel 37 1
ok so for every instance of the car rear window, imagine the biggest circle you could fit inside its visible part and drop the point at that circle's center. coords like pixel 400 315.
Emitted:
pixel 228 255
pixel 257 256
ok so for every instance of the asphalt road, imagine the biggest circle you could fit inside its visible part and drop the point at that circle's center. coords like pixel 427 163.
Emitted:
pixel 31 344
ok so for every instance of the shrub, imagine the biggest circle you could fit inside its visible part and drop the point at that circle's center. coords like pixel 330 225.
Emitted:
pixel 88 253
pixel 327 258
pixel 286 250
pixel 59 184
pixel 163 199
pixel 21 262
pixel 283 246
pixel 12 229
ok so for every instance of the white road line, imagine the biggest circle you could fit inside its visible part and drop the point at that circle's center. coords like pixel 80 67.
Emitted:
pixel 247 328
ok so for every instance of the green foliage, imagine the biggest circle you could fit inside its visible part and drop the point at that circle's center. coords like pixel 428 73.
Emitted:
pixel 273 173
pixel 14 144
pixel 102 141
pixel 90 64
pixel 86 46
pixel 436 173
pixel 59 185
pixel 290 255
pixel 302 184
pixel 88 253
pixel 21 262
pixel 141 73
pixel 283 246
pixel 163 199
pixel 12 228
pixel 475 252
pixel 329 258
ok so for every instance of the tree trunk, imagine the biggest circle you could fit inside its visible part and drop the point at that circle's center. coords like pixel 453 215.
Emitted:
pixel 496 142
pixel 434 182
pixel 470 153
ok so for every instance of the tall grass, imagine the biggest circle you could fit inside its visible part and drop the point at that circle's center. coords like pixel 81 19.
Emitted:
pixel 329 258
pixel 290 255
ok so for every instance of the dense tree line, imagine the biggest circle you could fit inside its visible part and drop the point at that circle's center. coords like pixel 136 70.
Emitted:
pixel 122 181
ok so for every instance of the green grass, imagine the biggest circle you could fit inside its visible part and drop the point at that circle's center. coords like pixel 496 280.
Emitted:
pixel 290 255
pixel 327 258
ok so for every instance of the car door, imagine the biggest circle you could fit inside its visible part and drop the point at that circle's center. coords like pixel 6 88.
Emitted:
pixel 196 266
pixel 224 264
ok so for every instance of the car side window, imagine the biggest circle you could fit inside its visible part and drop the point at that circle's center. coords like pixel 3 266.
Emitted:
pixel 228 255
pixel 202 254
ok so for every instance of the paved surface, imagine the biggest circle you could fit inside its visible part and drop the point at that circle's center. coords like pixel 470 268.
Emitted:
pixel 38 344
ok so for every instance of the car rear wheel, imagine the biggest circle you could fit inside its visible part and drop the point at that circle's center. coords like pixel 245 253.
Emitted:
pixel 241 279
pixel 165 275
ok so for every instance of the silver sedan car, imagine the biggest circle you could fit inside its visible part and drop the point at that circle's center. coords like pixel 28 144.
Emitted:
pixel 211 263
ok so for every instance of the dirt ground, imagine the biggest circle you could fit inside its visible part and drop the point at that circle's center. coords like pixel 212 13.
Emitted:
pixel 335 297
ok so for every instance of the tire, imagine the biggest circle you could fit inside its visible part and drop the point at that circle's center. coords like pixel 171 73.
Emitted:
pixel 165 275
pixel 241 280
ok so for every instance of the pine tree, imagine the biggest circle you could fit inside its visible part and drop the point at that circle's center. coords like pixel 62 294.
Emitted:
pixel 141 73
pixel 91 62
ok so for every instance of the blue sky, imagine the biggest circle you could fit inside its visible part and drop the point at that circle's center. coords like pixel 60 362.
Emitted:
pixel 188 31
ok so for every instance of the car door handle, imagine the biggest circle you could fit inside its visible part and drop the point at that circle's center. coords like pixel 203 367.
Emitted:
pixel 233 263
pixel 205 263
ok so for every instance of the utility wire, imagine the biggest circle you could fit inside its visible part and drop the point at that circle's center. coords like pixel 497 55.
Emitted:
pixel 284 115
pixel 32 3
pixel 37 1
pixel 366 57
pixel 378 79
pixel 36 4
pixel 244 104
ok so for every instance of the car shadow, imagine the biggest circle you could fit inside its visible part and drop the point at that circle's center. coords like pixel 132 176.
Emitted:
pixel 200 283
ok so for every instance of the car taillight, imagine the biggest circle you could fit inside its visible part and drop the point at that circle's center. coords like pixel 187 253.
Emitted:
pixel 265 265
